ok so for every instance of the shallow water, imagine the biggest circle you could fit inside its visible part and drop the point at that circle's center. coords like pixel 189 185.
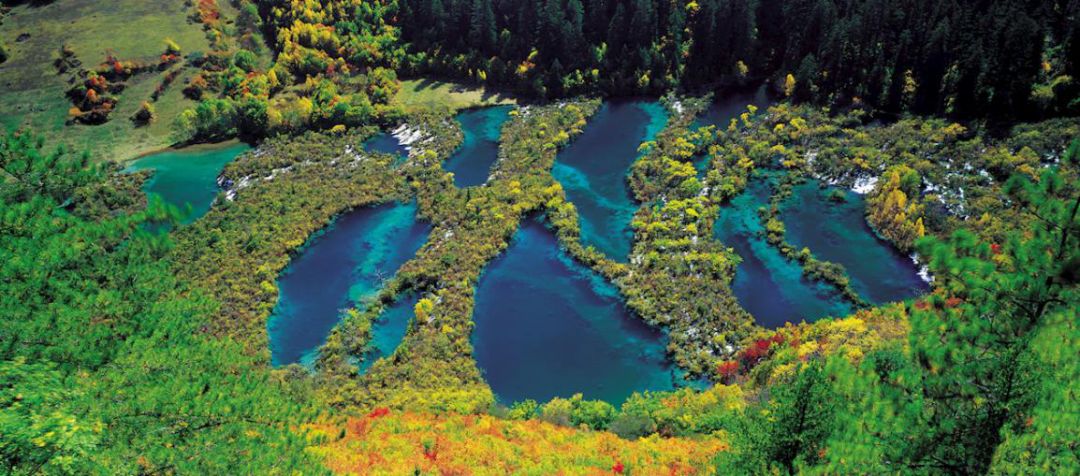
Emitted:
pixel 594 167
pixel 471 163
pixel 838 232
pixel 767 284
pixel 547 326
pixel 387 144
pixel 389 329
pixel 336 269
pixel 187 177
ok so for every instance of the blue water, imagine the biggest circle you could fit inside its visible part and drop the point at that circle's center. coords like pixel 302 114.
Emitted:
pixel 385 143
pixel 471 163
pixel 838 232
pixel 337 269
pixel 389 329
pixel 721 112
pixel 593 171
pixel 767 284
pixel 187 177
pixel 547 326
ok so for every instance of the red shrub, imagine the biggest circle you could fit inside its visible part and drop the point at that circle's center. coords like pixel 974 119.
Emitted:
pixel 728 369
pixel 379 412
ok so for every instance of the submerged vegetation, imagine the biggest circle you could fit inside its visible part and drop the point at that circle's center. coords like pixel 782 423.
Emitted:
pixel 135 336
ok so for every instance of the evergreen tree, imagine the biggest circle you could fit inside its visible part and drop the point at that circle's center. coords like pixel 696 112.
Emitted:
pixel 788 431
pixel 977 368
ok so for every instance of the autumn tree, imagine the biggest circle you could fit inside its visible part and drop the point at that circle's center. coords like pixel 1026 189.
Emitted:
pixel 893 211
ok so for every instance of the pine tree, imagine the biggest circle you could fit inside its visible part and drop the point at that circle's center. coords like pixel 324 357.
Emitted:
pixel 788 431
pixel 482 26
pixel 979 370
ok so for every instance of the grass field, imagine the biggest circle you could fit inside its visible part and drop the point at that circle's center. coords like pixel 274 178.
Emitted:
pixel 431 94
pixel 33 92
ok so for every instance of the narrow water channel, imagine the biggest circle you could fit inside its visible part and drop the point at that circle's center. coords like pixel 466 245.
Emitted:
pixel 471 163
pixel 594 167
pixel 767 284
pixel 335 270
pixel 389 329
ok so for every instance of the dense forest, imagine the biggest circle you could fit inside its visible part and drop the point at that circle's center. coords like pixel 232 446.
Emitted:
pixel 961 58
pixel 134 342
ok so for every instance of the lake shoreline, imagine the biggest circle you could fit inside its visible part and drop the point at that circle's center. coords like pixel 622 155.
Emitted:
pixel 196 147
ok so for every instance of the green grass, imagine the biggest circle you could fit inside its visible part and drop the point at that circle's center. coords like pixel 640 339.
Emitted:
pixel 429 94
pixel 33 93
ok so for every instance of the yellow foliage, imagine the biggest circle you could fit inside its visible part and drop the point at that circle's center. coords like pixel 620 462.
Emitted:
pixel 423 308
pixel 402 443
pixel 741 68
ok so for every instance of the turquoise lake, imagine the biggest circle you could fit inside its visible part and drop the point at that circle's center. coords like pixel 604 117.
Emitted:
pixel 838 232
pixel 335 270
pixel 471 162
pixel 547 326
pixel 767 284
pixel 594 167
pixel 187 177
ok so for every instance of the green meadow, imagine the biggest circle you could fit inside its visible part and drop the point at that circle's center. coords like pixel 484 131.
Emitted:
pixel 34 93
pixel 429 94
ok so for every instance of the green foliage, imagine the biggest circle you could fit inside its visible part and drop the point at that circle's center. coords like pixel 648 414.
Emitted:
pixel 40 433
pixel 787 431
pixel 979 372
pixel 211 119
pixel 105 365
pixel 524 410
pixel 996 298
pixel 245 60
pixel 576 411
pixel 907 58
pixel 1046 440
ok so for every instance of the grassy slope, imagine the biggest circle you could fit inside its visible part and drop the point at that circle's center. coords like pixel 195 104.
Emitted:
pixel 419 94
pixel 33 93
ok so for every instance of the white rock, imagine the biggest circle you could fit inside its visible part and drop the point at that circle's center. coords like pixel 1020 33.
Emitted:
pixel 864 185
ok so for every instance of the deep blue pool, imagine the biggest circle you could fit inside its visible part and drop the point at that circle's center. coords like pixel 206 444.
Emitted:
pixel 547 326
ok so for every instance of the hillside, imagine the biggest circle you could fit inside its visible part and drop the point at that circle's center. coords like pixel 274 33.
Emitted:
pixel 562 237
